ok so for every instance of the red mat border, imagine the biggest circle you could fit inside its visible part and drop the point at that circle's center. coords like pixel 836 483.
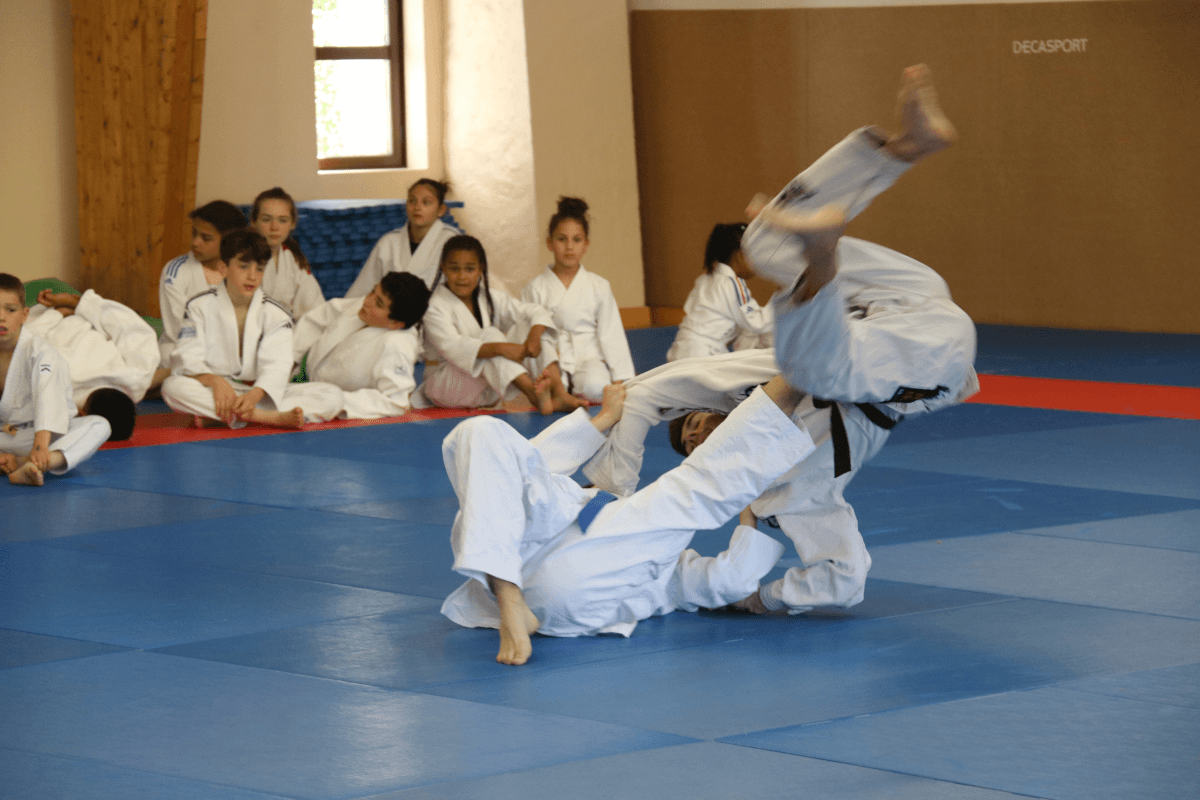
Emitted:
pixel 1136 399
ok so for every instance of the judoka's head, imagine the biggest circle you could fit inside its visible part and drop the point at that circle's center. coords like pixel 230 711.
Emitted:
pixel 692 429
pixel 274 216
pixel 13 312
pixel 116 407
pixel 568 239
pixel 245 254
pixel 725 247
pixel 210 222
pixel 397 302
pixel 425 203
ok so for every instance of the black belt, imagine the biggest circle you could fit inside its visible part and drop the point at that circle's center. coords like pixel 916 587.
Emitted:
pixel 837 430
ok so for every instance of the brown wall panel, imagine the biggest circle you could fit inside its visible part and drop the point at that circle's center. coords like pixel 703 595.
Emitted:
pixel 1068 201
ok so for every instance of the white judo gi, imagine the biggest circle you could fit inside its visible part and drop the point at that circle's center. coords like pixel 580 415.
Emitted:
pixel 286 282
pixel 720 314
pixel 590 345
pixel 453 336
pixel 182 279
pixel 208 344
pixel 37 397
pixel 884 329
pixel 518 522
pixel 106 345
pixel 393 253
pixel 372 366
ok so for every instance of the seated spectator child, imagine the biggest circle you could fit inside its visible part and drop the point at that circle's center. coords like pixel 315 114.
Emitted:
pixel 111 351
pixel 720 313
pixel 235 351
pixel 39 427
pixel 288 278
pixel 590 347
pixel 482 339
pixel 192 273
pixel 415 248
pixel 367 347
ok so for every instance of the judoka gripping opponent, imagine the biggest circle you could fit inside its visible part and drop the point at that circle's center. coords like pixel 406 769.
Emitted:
pixel 870 334
pixel 545 555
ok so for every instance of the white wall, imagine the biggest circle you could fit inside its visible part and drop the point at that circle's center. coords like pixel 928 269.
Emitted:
pixel 39 204
pixel 258 122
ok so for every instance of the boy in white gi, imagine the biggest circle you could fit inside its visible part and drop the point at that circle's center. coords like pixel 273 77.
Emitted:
pixel 111 351
pixel 869 333
pixel 545 555
pixel 367 347
pixel 235 351
pixel 39 429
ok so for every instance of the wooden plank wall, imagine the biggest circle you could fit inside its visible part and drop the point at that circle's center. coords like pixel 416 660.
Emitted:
pixel 139 68
pixel 1069 201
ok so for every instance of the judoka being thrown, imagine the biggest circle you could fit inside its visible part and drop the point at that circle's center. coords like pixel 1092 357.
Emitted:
pixel 545 555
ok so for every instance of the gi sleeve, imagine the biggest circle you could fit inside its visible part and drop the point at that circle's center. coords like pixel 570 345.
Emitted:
pixel 190 356
pixel 569 442
pixel 442 335
pixel 374 268
pixel 133 337
pixel 310 327
pixel 274 354
pixel 611 331
pixel 53 405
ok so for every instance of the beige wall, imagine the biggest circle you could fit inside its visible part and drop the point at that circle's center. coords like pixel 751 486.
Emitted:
pixel 489 142
pixel 583 140
pixel 39 205
pixel 258 124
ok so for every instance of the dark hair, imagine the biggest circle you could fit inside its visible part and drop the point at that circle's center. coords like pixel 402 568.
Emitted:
pixel 469 244
pixel 440 188
pixel 11 283
pixel 408 295
pixel 116 407
pixel 723 242
pixel 675 432
pixel 245 242
pixel 223 216
pixel 570 208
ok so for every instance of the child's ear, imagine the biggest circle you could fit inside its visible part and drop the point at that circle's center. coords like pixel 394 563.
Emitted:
pixel 396 324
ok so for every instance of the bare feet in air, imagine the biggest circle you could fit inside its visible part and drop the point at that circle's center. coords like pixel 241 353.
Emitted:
pixel 517 623
pixel 27 474
pixel 924 128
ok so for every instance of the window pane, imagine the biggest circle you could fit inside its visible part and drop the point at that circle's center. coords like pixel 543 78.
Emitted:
pixel 354 108
pixel 350 23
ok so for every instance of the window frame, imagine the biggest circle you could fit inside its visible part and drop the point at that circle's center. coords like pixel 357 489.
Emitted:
pixel 393 53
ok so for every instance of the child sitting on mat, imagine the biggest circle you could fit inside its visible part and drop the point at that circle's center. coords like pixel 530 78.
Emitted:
pixel 39 427
pixel 235 351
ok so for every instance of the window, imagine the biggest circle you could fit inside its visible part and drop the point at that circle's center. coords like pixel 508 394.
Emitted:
pixel 360 84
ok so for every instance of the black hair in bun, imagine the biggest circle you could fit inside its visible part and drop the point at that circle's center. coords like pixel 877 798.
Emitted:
pixel 570 208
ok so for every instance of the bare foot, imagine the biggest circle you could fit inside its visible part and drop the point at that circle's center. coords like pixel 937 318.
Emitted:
pixel 517 623
pixel 924 128
pixel 8 463
pixel 819 230
pixel 26 475
pixel 279 419
pixel 757 204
